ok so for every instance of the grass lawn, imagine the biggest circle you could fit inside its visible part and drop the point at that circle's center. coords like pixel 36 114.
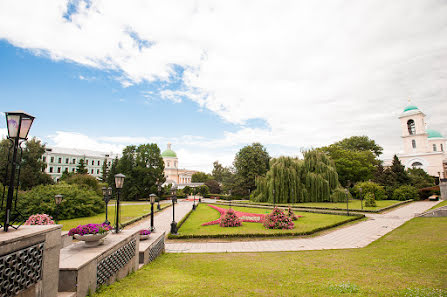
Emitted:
pixel 354 204
pixel 409 261
pixel 128 212
pixel 204 213
pixel 443 203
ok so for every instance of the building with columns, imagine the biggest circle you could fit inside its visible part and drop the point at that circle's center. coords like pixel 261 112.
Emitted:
pixel 174 175
pixel 422 148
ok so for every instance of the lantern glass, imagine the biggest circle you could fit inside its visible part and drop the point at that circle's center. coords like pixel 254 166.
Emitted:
pixel 104 191
pixel 109 191
pixel 119 180
pixel 12 122
pixel 152 198
pixel 16 119
pixel 58 199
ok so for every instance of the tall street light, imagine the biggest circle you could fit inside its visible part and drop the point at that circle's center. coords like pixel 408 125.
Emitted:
pixel 58 200
pixel 119 182
pixel 174 200
pixel 159 194
pixel 18 124
pixel 347 196
pixel 107 195
pixel 194 198
pixel 152 200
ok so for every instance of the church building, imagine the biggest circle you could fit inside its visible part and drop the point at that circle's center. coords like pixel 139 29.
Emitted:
pixel 423 148
pixel 174 175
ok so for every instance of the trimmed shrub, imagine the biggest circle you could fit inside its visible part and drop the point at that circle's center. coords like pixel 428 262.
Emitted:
pixel 78 201
pixel 339 195
pixel 370 187
pixel 85 180
pixel 230 219
pixel 405 193
pixel 278 220
pixel 369 200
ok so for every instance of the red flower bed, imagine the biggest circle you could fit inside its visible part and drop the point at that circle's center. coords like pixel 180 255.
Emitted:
pixel 242 216
pixel 278 220
pixel 230 219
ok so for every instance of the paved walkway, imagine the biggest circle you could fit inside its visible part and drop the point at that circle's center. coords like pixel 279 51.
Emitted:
pixel 163 219
pixel 354 236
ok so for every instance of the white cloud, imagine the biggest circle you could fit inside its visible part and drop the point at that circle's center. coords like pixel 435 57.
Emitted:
pixel 80 141
pixel 315 71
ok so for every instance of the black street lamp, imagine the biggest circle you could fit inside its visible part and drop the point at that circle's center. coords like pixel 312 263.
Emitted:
pixel 119 182
pixel 174 200
pixel 194 197
pixel 152 200
pixel 274 199
pixel 57 199
pixel 159 196
pixel 18 124
pixel 107 193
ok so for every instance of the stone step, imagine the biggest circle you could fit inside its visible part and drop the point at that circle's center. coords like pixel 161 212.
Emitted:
pixel 66 294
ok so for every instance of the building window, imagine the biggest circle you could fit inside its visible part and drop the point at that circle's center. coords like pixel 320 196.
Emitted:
pixel 59 160
pixel 97 171
pixel 66 170
pixel 416 165
pixel 51 169
pixel 67 161
pixel 52 159
pixel 442 147
pixel 72 170
pixel 74 161
pixel 58 170
pixel 169 164
pixel 411 127
pixel 413 143
pixel 175 164
pixel 99 163
pixel 93 162
pixel 92 171
pixel 434 147
pixel 109 163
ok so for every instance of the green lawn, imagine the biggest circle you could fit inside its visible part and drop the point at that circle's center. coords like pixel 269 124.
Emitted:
pixel 441 204
pixel 128 212
pixel 354 204
pixel 204 213
pixel 409 261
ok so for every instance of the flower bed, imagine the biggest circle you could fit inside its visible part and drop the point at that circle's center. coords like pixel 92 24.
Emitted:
pixel 278 220
pixel 242 216
pixel 230 219
pixel 40 219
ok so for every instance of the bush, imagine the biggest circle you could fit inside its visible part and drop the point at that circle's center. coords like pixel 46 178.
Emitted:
pixel 278 220
pixel 339 195
pixel 230 219
pixel 85 180
pixel 77 202
pixel 369 200
pixel 406 193
pixel 370 187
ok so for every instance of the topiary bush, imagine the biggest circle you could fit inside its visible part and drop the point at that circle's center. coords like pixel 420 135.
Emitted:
pixel 369 200
pixel 405 193
pixel 278 220
pixel 230 219
pixel 78 201
pixel 370 187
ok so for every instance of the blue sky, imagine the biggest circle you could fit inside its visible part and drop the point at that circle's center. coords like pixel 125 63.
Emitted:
pixel 213 76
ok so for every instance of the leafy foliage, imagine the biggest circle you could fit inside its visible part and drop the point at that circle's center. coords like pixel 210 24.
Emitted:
pixel 291 180
pixel 419 178
pixel 251 162
pixel 370 187
pixel 369 200
pixel 405 192
pixel 200 177
pixel 84 181
pixel 230 219
pixel 80 169
pixel 213 186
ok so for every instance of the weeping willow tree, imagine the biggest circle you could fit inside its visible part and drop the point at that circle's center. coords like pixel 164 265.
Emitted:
pixel 291 180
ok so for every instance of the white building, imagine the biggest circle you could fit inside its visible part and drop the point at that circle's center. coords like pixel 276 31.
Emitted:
pixel 423 148
pixel 61 160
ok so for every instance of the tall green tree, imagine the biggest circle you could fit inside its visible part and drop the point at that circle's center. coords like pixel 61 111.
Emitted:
pixel 251 162
pixel 104 170
pixel 111 174
pixel 419 178
pixel 400 175
pixel 200 177
pixel 360 144
pixel 80 169
pixel 32 166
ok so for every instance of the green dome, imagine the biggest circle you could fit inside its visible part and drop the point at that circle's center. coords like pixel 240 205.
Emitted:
pixel 410 107
pixel 433 134
pixel 169 153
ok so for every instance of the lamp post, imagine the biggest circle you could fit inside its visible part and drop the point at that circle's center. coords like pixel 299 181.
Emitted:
pixel 174 200
pixel 159 196
pixel 347 197
pixel 107 195
pixel 361 197
pixel 57 199
pixel 274 200
pixel 18 124
pixel 152 200
pixel 119 182
pixel 194 197
pixel 230 197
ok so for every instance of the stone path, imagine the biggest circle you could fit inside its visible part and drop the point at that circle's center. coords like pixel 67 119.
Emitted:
pixel 353 236
pixel 163 219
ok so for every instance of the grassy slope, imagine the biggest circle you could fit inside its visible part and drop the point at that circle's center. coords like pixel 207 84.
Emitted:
pixel 128 212
pixel 412 256
pixel 443 203
pixel 204 213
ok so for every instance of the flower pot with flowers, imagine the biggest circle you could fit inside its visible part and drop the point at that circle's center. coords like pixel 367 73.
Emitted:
pixel 91 234
pixel 144 234
pixel 40 219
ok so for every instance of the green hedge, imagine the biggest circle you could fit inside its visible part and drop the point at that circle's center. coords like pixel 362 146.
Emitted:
pixel 226 197
pixel 179 236
pixel 78 201
pixel 406 192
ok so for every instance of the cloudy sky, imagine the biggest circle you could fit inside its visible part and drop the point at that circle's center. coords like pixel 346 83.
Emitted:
pixel 213 76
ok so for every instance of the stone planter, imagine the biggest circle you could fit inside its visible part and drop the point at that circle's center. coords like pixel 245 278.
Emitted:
pixel 144 237
pixel 91 240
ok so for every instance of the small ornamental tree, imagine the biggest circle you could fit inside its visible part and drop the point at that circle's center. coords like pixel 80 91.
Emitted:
pixel 230 219
pixel 278 220
pixel 369 200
